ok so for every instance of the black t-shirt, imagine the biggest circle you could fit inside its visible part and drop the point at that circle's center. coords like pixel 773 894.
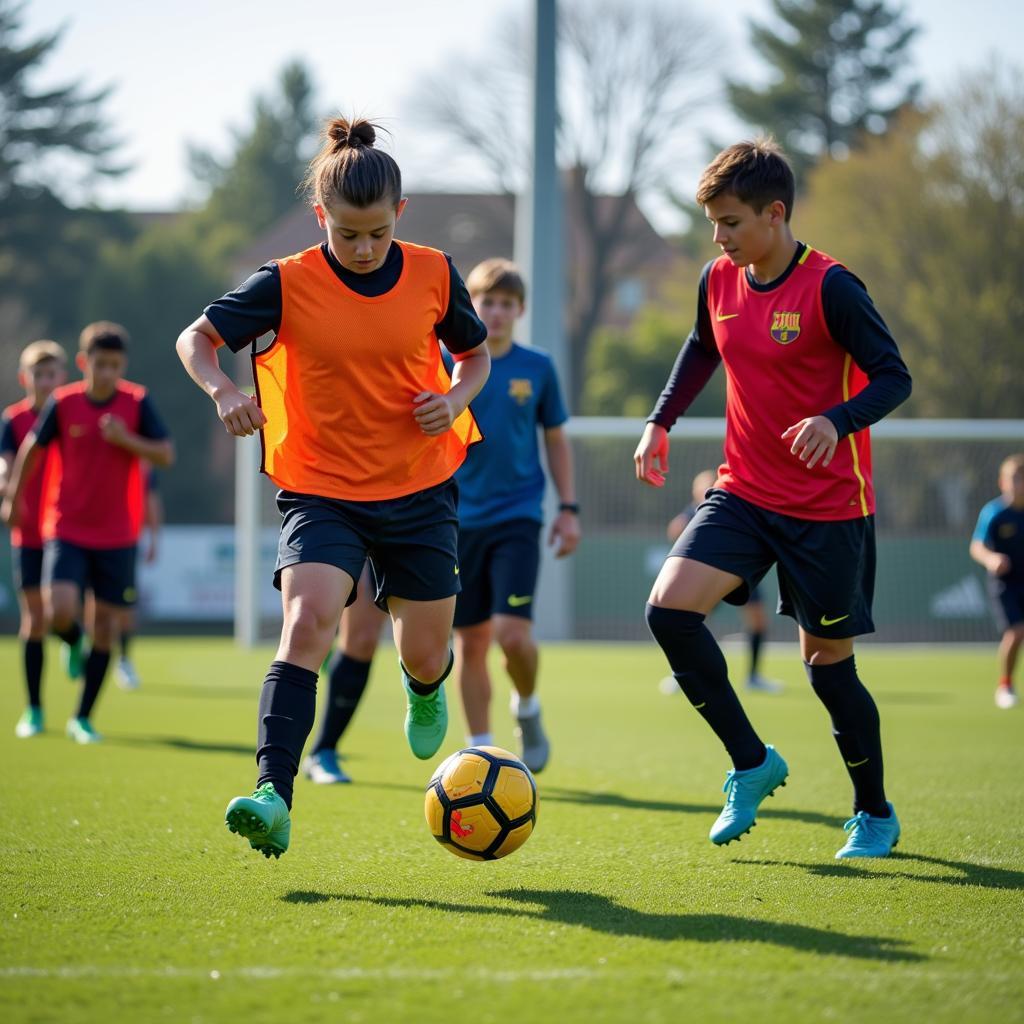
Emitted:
pixel 254 307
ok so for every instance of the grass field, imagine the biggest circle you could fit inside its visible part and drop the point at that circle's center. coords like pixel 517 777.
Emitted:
pixel 124 898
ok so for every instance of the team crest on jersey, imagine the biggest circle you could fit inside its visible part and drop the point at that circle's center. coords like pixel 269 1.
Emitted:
pixel 521 389
pixel 785 327
pixel 1007 530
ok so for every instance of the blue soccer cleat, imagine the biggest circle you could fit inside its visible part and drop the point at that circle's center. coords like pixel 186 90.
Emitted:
pixel 323 769
pixel 81 731
pixel 262 819
pixel 30 724
pixel 870 836
pixel 744 792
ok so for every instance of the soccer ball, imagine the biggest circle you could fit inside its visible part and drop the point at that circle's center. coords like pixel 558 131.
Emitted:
pixel 481 803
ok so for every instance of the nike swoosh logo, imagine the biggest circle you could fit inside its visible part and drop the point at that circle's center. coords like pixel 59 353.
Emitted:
pixel 697 707
pixel 456 570
pixel 725 316
pixel 831 622
pixel 515 601
pixel 857 764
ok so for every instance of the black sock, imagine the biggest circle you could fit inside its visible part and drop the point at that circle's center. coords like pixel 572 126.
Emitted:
pixel 699 668
pixel 95 672
pixel 756 639
pixel 347 681
pixel 426 689
pixel 71 635
pixel 32 651
pixel 855 726
pixel 126 639
pixel 287 710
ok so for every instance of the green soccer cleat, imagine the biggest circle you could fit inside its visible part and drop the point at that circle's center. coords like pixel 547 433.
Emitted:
pixel 263 819
pixel 426 720
pixel 745 790
pixel 81 731
pixel 73 658
pixel 870 836
pixel 30 724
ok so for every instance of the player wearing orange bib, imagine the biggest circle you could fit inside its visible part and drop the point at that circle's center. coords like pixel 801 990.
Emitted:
pixel 362 431
pixel 810 365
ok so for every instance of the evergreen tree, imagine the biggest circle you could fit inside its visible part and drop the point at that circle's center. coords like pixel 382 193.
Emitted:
pixel 839 75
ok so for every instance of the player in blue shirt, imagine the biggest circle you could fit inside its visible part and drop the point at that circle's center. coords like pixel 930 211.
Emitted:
pixel 998 545
pixel 501 489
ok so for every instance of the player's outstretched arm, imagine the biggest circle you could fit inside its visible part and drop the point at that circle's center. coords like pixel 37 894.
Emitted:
pixel 651 456
pixel 197 349
pixel 565 530
pixel 436 413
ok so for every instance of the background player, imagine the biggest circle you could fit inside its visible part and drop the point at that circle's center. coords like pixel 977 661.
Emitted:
pixel 752 613
pixel 998 545
pixel 362 430
pixel 102 427
pixel 501 489
pixel 810 366
pixel 41 368
pixel 347 675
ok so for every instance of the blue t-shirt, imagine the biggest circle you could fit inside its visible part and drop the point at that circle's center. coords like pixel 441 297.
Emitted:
pixel 1001 528
pixel 502 478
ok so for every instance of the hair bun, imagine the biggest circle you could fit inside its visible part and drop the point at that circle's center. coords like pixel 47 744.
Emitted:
pixel 344 134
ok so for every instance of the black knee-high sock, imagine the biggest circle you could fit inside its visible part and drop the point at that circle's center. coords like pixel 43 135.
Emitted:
pixel 855 726
pixel 287 710
pixel 71 635
pixel 347 681
pixel 426 689
pixel 95 672
pixel 756 639
pixel 126 639
pixel 699 668
pixel 32 651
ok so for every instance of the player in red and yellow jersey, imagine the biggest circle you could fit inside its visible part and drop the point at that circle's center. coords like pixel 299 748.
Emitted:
pixel 810 364
pixel 362 431
pixel 98 430
pixel 41 368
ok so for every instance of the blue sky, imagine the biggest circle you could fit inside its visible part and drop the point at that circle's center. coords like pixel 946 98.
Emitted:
pixel 189 71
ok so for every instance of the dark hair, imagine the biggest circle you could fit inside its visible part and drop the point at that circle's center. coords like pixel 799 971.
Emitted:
pixel 755 172
pixel 496 275
pixel 349 168
pixel 103 334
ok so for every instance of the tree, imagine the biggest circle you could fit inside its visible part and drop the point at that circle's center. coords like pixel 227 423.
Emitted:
pixel 840 75
pixel 932 217
pixel 631 77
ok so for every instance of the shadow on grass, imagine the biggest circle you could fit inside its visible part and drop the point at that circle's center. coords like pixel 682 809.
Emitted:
pixel 604 799
pixel 963 872
pixel 182 743
pixel 601 914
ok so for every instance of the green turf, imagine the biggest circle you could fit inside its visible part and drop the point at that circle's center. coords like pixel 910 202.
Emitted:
pixel 124 898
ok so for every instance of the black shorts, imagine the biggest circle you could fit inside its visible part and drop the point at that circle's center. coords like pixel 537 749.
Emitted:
pixel 826 569
pixel 27 567
pixel 1007 603
pixel 411 542
pixel 108 572
pixel 498 566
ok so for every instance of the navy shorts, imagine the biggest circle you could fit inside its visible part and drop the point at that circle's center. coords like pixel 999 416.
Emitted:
pixel 411 542
pixel 27 567
pixel 108 572
pixel 499 566
pixel 826 569
pixel 1007 603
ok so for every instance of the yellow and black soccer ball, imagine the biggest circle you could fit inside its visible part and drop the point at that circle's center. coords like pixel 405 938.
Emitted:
pixel 481 803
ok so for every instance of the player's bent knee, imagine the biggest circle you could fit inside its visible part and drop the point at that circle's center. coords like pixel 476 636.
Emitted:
pixel 426 666
pixel 670 625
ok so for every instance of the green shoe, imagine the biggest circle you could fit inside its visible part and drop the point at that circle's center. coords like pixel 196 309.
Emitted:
pixel 426 720
pixel 81 731
pixel 73 658
pixel 262 819
pixel 30 724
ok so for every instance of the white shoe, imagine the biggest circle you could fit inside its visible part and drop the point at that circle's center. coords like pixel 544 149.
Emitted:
pixel 1006 697
pixel 759 684
pixel 126 676
pixel 323 769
